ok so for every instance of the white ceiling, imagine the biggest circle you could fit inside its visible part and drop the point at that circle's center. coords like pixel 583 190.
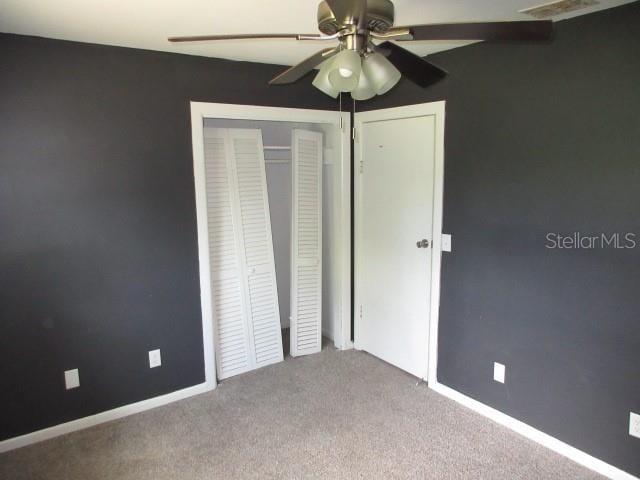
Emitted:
pixel 147 23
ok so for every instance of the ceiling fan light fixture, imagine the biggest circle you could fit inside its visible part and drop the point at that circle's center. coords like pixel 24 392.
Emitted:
pixel 344 72
pixel 322 83
pixel 364 90
pixel 381 72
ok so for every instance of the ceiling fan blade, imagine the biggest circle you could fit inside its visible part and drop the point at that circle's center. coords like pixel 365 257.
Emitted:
pixel 349 11
pixel 298 71
pixel 201 38
pixel 497 31
pixel 415 68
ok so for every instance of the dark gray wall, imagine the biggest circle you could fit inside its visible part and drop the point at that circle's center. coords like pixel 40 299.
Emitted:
pixel 98 247
pixel 98 259
pixel 544 138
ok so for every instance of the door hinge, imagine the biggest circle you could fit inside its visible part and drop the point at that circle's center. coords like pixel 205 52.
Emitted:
pixel 361 166
pixel 353 134
pixel 341 123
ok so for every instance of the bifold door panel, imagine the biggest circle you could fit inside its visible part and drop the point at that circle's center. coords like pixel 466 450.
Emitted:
pixel 306 243
pixel 243 281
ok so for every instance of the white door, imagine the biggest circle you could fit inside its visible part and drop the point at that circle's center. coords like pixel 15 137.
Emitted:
pixel 306 243
pixel 244 292
pixel 394 212
pixel 261 291
pixel 231 329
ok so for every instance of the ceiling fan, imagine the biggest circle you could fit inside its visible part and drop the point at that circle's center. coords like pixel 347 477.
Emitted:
pixel 365 62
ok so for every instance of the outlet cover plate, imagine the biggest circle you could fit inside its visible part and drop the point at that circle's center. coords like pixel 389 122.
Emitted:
pixel 71 379
pixel 634 425
pixel 155 360
pixel 499 371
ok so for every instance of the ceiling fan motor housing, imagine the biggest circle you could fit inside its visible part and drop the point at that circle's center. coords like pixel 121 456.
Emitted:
pixel 380 17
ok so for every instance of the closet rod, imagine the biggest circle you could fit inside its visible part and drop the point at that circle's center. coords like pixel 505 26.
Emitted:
pixel 277 147
pixel 282 161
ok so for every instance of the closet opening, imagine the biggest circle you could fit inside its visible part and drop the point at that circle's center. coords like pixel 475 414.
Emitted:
pixel 277 236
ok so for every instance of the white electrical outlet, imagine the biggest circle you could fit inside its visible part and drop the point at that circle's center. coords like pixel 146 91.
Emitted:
pixel 499 371
pixel 634 425
pixel 446 242
pixel 155 360
pixel 71 379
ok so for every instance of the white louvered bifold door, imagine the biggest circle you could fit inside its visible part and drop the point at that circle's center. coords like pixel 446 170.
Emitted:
pixel 306 243
pixel 255 225
pixel 229 310
pixel 245 305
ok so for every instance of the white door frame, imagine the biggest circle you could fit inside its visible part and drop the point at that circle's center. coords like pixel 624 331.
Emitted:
pixel 201 111
pixel 437 110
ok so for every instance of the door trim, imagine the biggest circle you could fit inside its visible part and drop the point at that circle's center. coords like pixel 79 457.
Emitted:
pixel 201 111
pixel 437 110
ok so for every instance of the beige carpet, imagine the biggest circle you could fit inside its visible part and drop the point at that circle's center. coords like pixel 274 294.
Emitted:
pixel 330 415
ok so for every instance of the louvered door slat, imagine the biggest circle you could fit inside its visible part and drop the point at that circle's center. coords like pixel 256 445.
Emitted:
pixel 306 245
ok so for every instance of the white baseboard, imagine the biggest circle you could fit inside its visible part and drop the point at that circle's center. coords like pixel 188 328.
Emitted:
pixel 531 433
pixel 102 417
pixel 347 346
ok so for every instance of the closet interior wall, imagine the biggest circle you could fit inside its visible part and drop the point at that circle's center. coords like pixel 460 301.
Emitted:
pixel 276 137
